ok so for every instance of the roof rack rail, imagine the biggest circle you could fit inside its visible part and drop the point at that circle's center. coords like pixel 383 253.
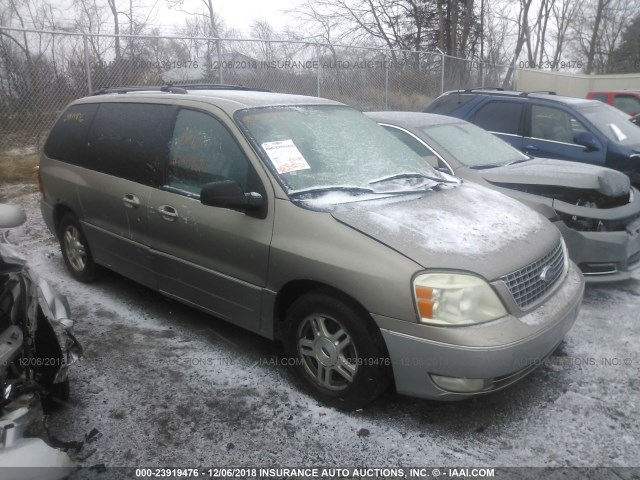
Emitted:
pixel 548 92
pixel 182 89
pixel 469 90
pixel 220 86
pixel 170 88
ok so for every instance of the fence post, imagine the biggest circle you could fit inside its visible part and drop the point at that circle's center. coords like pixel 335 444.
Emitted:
pixel 441 70
pixel 318 75
pixel 219 61
pixel 386 80
pixel 86 62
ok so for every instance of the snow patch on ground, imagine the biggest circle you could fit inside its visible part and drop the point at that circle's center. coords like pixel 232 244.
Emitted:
pixel 168 385
pixel 27 150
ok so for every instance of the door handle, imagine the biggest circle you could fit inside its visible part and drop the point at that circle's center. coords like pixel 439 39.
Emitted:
pixel 531 147
pixel 168 213
pixel 131 201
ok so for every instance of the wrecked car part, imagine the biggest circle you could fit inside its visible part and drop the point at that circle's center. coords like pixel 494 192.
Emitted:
pixel 18 451
pixel 37 346
pixel 584 224
pixel 544 172
pixel 575 196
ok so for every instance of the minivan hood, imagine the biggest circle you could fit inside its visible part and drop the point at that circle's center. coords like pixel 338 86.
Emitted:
pixel 468 228
pixel 544 171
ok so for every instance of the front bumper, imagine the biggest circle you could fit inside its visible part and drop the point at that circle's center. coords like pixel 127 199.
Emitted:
pixel 481 351
pixel 602 256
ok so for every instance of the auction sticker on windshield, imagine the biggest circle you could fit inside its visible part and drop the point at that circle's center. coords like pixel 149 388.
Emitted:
pixel 285 156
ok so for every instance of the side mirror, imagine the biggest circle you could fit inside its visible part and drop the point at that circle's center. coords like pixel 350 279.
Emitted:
pixel 587 140
pixel 228 194
pixel 11 216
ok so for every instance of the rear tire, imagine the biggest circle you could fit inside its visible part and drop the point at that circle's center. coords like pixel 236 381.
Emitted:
pixel 76 251
pixel 338 352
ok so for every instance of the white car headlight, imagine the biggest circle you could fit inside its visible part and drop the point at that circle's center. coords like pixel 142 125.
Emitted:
pixel 455 299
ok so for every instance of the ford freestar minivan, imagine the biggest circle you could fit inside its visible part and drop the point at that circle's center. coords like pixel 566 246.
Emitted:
pixel 302 220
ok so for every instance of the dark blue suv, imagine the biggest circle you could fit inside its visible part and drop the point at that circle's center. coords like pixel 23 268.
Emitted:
pixel 552 126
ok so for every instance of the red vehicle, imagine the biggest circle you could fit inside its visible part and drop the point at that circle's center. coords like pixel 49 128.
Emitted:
pixel 626 100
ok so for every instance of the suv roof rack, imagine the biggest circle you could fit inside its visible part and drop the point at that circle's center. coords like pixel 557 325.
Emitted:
pixel 469 90
pixel 182 89
pixel 165 88
pixel 220 86
pixel 548 92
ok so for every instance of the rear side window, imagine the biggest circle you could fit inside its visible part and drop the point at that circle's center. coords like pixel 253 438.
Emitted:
pixel 447 104
pixel 68 138
pixel 501 117
pixel 599 96
pixel 130 140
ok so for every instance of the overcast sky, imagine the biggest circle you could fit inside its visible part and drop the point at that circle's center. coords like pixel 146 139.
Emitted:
pixel 238 14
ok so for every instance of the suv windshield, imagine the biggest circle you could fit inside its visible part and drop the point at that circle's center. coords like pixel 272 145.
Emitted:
pixel 613 123
pixel 472 146
pixel 326 148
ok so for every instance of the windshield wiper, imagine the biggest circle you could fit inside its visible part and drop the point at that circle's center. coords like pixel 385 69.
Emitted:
pixel 486 166
pixel 400 176
pixel 315 191
pixel 521 160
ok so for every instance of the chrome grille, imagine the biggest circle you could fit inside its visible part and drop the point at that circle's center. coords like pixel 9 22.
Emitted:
pixel 534 281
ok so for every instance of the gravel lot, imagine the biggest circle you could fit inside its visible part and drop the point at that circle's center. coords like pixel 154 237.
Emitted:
pixel 167 385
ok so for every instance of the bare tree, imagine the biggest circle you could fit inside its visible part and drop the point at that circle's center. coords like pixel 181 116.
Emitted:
pixel 598 29
pixel 563 13
pixel 32 85
pixel 116 25
pixel 593 42
pixel 91 19
pixel 523 28
pixel 617 17
pixel 536 35
pixel 210 24
pixel 498 33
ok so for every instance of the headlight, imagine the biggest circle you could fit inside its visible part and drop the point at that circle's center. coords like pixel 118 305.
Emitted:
pixel 455 299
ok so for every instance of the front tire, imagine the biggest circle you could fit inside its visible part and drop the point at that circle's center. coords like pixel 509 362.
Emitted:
pixel 75 250
pixel 339 354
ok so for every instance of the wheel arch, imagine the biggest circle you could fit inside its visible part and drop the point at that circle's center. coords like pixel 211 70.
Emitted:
pixel 373 379
pixel 295 289
pixel 59 211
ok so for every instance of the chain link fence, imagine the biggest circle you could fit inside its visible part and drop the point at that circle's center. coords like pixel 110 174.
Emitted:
pixel 41 71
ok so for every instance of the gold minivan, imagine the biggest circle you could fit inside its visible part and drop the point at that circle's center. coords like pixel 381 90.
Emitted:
pixel 300 219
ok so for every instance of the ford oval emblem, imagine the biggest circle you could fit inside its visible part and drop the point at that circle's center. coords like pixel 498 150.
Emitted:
pixel 548 274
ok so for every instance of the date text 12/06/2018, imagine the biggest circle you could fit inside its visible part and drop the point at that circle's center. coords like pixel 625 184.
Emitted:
pixel 314 472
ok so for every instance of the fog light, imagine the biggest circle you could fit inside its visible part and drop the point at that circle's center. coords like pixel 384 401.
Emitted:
pixel 459 385
pixel 598 268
